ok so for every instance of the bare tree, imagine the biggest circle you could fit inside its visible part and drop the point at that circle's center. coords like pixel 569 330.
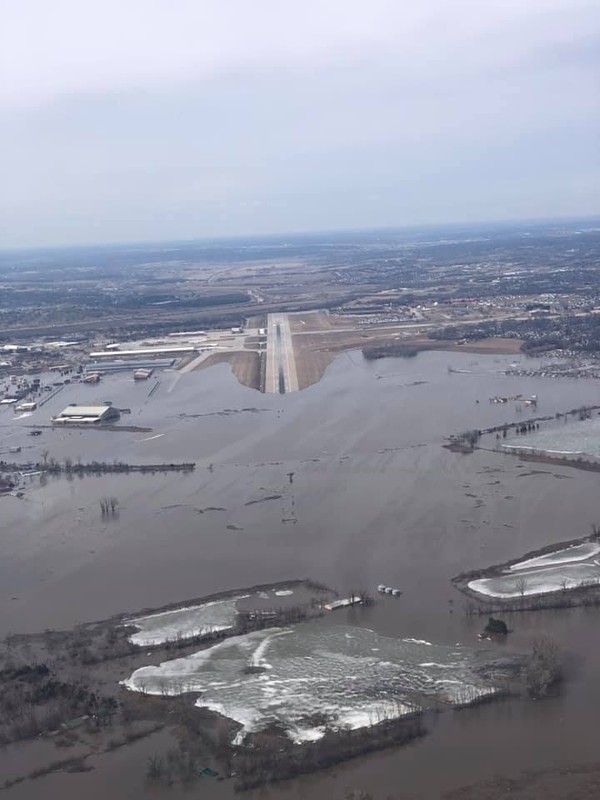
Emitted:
pixel 155 767
pixel 521 585
pixel 543 668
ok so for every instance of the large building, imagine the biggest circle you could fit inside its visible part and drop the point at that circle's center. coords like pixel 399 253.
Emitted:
pixel 78 415
pixel 178 350
pixel 116 366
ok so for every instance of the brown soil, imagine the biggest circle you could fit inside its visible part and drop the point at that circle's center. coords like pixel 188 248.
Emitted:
pixel 259 321
pixel 246 366
pixel 311 362
pixel 318 321
pixel 491 346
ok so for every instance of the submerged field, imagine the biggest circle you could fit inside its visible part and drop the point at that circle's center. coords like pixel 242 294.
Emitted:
pixel 312 677
pixel 568 438
pixel 563 570
pixel 183 623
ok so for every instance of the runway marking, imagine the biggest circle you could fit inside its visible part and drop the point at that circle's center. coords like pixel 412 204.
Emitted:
pixel 281 375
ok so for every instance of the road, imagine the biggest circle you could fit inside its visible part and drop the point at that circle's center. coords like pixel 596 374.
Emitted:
pixel 281 376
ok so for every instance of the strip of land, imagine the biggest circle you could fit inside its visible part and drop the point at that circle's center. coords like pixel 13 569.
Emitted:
pixel 281 376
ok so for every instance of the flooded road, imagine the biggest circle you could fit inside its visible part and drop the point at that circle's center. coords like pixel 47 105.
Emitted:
pixel 345 482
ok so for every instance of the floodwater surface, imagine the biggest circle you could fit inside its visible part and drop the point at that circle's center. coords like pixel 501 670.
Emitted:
pixel 346 483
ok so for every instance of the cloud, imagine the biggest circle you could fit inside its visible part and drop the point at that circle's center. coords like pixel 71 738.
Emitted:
pixel 50 49
pixel 126 120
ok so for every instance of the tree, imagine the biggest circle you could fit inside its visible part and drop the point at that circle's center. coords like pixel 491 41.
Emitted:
pixel 155 767
pixel 496 626
pixel 521 586
pixel 543 669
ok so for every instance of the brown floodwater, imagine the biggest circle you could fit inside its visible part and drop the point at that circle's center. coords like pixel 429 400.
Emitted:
pixel 355 490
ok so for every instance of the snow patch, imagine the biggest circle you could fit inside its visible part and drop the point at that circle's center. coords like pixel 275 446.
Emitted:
pixel 184 623
pixel 579 552
pixel 540 581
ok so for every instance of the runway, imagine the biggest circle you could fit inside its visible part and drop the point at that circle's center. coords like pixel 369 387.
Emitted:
pixel 281 376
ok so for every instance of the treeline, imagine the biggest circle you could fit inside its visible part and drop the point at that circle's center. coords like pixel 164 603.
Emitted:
pixel 68 466
pixel 176 301
pixel 272 756
pixel 34 701
pixel 388 350
pixel 6 485
pixel 587 594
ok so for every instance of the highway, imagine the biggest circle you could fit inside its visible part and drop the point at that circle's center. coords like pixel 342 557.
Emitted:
pixel 281 376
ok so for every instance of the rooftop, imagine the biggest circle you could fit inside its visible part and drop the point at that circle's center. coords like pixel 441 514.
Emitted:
pixel 84 411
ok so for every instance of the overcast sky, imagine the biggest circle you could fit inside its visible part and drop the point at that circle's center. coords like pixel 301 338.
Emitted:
pixel 126 120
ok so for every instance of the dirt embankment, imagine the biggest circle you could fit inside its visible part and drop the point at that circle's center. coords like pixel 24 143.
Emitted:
pixel 311 360
pixel 245 365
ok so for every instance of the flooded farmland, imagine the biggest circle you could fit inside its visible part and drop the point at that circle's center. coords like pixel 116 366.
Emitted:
pixel 346 483
pixel 564 438
pixel 348 676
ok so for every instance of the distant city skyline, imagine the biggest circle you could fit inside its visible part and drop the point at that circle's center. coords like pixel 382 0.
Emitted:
pixel 161 121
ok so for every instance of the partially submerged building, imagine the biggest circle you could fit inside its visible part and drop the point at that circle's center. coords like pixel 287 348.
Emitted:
pixel 178 350
pixel 28 406
pixel 101 367
pixel 83 415
pixel 141 374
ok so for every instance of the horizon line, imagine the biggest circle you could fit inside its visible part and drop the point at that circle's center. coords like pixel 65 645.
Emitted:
pixel 301 233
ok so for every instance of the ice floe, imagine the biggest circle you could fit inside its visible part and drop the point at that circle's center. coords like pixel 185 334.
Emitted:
pixel 309 677
pixel 184 623
pixel 568 568
pixel 540 581
pixel 579 552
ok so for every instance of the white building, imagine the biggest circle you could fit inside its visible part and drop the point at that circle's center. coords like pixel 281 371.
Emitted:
pixel 78 415
pixel 145 351
pixel 29 406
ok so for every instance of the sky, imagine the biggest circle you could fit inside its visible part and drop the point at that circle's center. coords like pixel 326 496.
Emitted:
pixel 133 120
